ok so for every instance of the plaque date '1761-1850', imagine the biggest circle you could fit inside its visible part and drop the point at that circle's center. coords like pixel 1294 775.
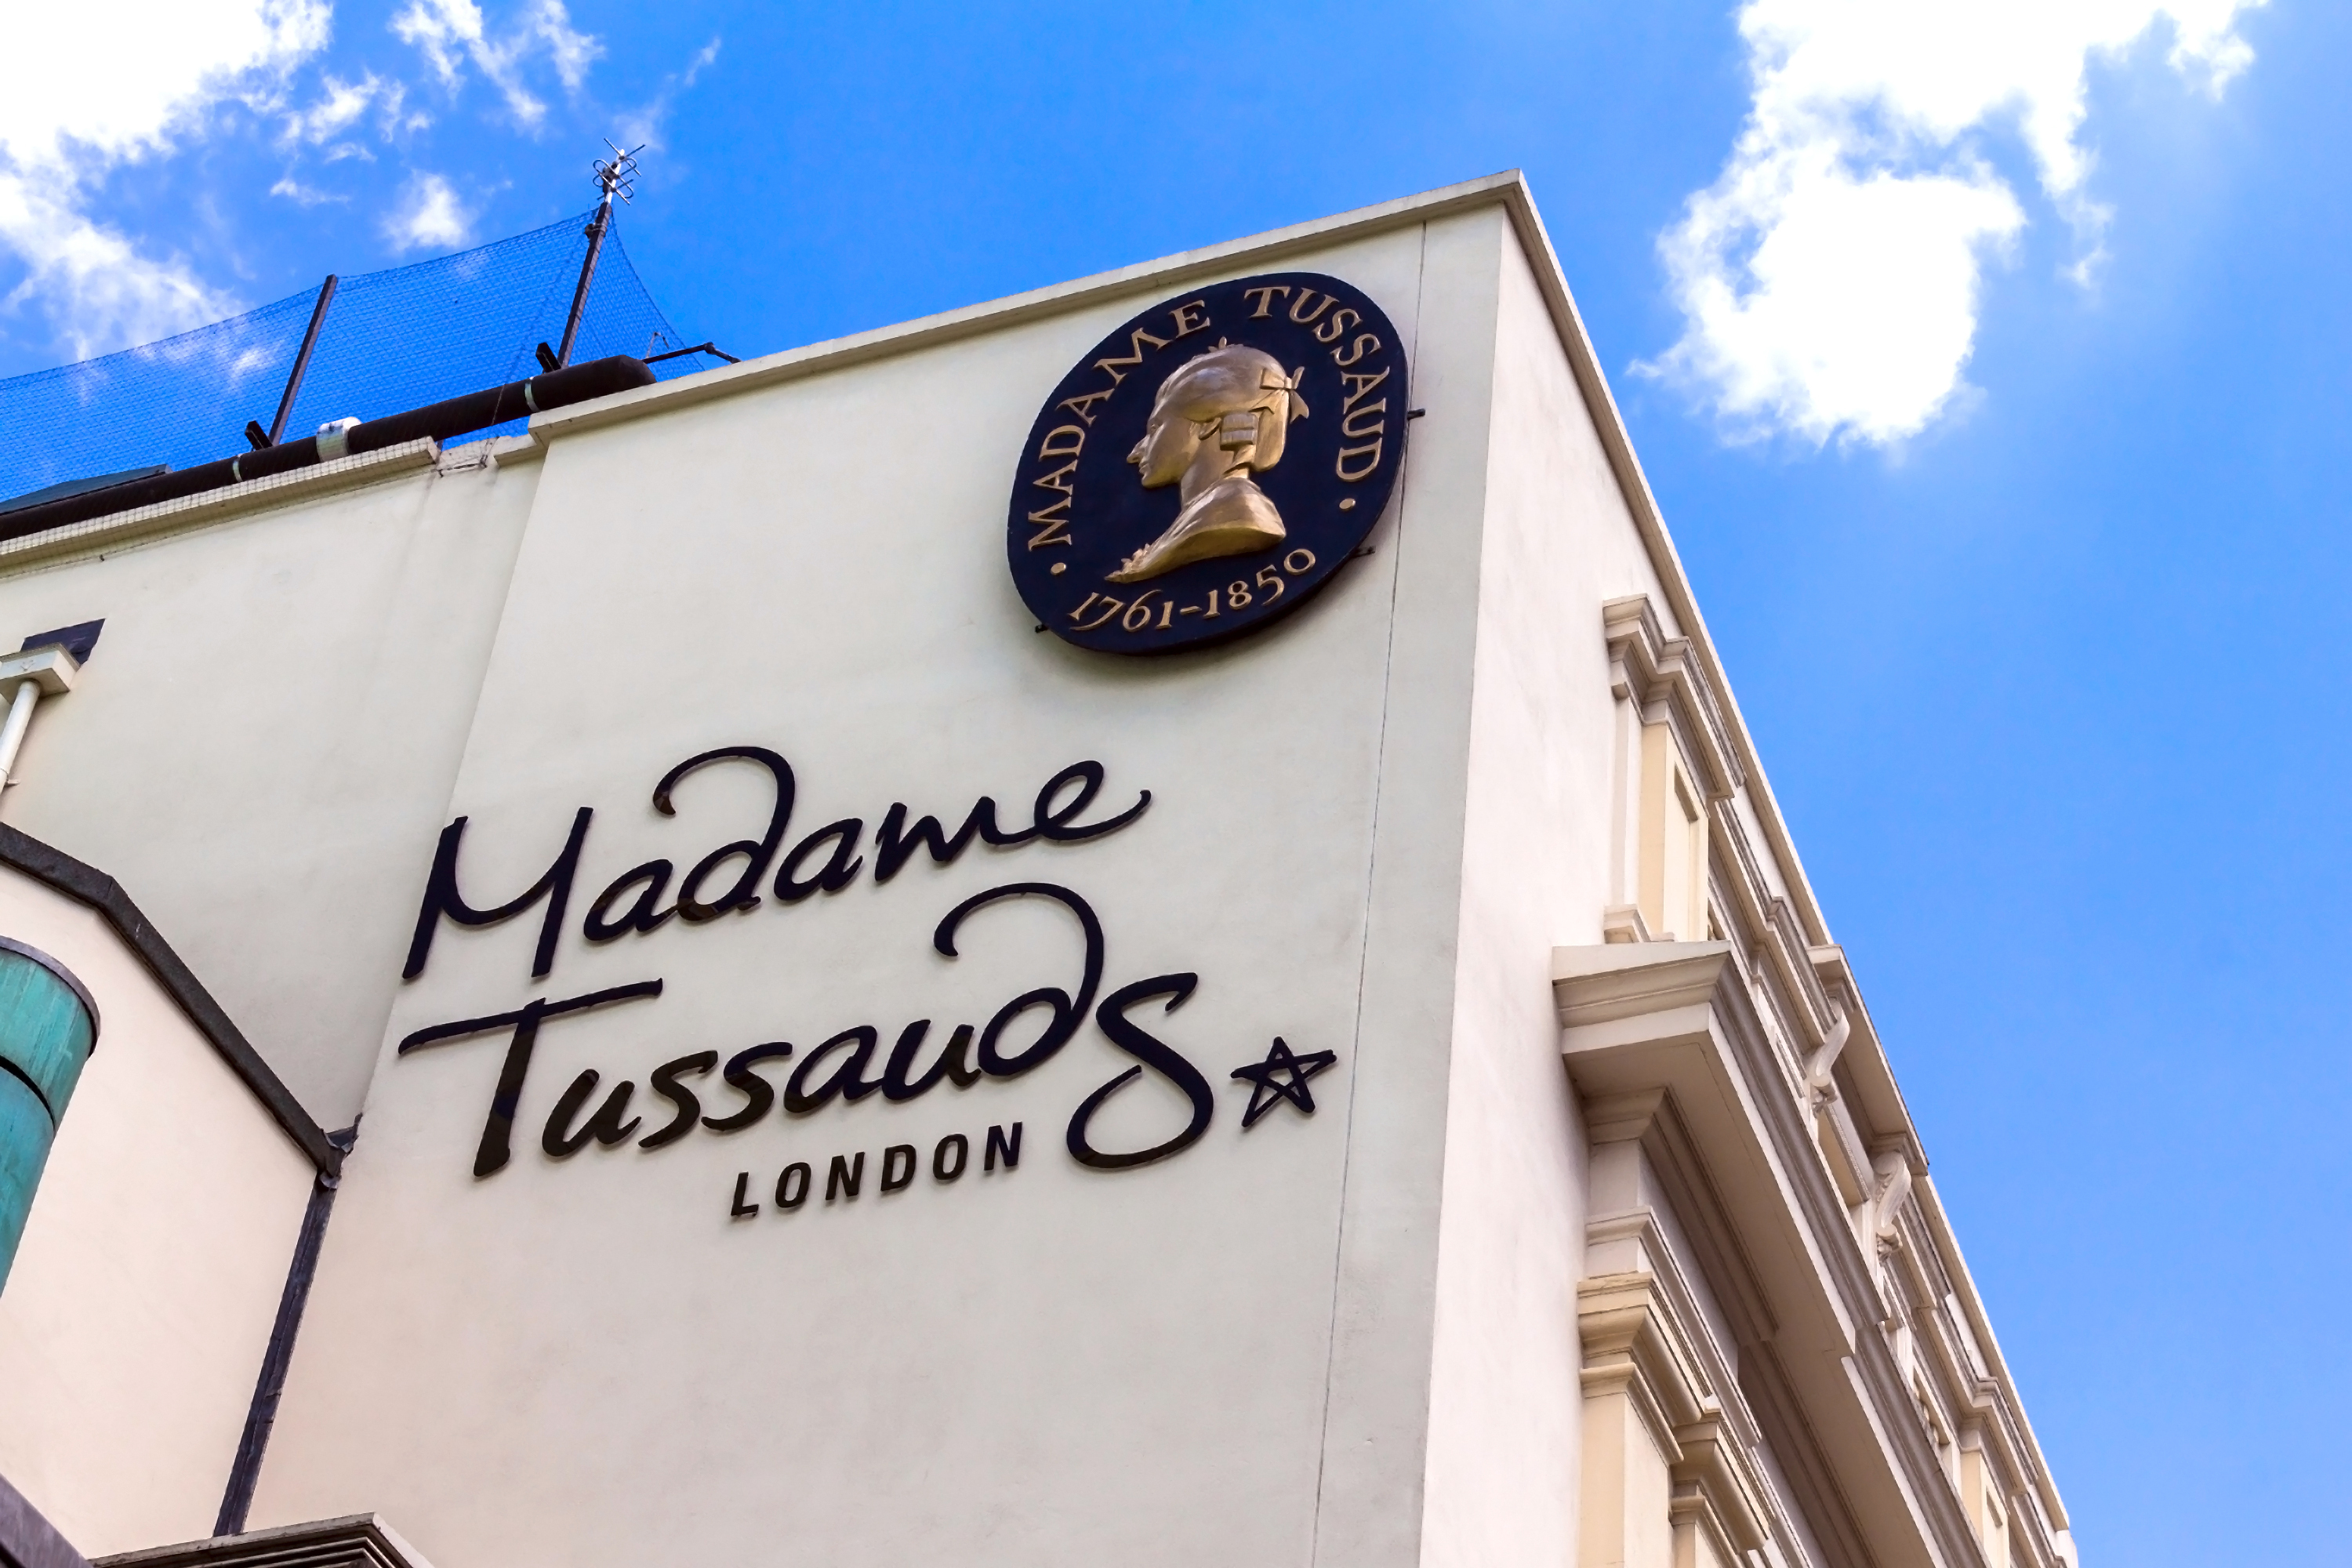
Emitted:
pixel 1210 465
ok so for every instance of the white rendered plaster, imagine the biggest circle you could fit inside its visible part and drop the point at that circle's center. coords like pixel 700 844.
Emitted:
pixel 1374 1437
pixel 263 744
pixel 1557 542
pixel 134 1319
pixel 1053 1363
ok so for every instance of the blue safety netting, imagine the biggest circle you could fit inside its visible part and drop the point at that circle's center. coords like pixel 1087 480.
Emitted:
pixel 391 341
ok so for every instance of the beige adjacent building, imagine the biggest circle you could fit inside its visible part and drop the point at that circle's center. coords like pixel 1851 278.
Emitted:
pixel 1375 1091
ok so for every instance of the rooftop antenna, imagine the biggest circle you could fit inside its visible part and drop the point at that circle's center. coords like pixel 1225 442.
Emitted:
pixel 616 176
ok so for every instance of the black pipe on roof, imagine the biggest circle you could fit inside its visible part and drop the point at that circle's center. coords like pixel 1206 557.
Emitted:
pixel 453 417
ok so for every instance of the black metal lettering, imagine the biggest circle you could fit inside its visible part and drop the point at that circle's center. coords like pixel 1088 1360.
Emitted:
pixel 895 844
pixel 497 1127
pixel 755 854
pixel 561 1141
pixel 787 1196
pixel 758 1095
pixel 739 1209
pixel 840 868
pixel 442 897
pixel 663 1081
pixel 649 878
pixel 841 1178
pixel 897 1167
pixel 941 1169
pixel 1001 1143
pixel 954 1062
pixel 848 1080
pixel 1069 1011
pixel 1111 1018
pixel 1053 821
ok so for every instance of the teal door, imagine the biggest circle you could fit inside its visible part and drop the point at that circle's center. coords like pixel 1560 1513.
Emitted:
pixel 47 1027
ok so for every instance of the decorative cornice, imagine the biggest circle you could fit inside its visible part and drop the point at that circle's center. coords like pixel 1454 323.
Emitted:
pixel 356 1540
pixel 1663 678
pixel 1778 937
pixel 1680 1017
pixel 1617 980
pixel 1713 1377
pixel 1624 922
pixel 1860 1120
pixel 1638 1342
pixel 1879 1107
pixel 1650 1117
pixel 1779 1414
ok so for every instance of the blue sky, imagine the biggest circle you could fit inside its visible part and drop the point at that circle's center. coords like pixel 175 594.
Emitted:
pixel 2032 588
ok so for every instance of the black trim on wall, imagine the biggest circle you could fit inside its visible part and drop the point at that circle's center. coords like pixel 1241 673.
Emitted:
pixel 29 1541
pixel 245 1472
pixel 94 889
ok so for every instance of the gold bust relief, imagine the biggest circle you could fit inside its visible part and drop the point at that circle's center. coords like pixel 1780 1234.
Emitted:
pixel 1217 419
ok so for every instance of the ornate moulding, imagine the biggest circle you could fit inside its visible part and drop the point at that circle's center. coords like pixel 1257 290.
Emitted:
pixel 1663 678
pixel 356 1540
pixel 1668 1045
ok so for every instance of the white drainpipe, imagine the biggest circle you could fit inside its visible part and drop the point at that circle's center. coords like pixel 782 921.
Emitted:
pixel 25 679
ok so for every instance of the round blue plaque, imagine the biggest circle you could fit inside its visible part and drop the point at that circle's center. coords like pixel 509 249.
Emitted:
pixel 1208 467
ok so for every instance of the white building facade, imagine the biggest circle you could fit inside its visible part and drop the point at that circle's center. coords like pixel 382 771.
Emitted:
pixel 1374 1090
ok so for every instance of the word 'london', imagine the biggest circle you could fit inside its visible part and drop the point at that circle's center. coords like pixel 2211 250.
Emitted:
pixel 844 1175
pixel 841 1067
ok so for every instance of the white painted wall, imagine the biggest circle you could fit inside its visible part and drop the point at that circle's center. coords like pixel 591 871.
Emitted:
pixel 1504 1404
pixel 133 1323
pixel 1375 1433
pixel 262 746
pixel 589 1363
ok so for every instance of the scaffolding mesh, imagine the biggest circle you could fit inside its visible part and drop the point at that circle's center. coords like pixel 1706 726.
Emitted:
pixel 391 341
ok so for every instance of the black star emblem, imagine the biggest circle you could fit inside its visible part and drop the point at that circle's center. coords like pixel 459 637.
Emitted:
pixel 1268 1090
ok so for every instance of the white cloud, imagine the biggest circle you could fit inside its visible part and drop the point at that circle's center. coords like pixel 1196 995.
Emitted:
pixel 114 78
pixel 89 85
pixel 445 32
pixel 1829 278
pixel 429 215
pixel 572 51
pixel 304 196
pixel 341 104
pixel 102 293
pixel 452 33
pixel 642 126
